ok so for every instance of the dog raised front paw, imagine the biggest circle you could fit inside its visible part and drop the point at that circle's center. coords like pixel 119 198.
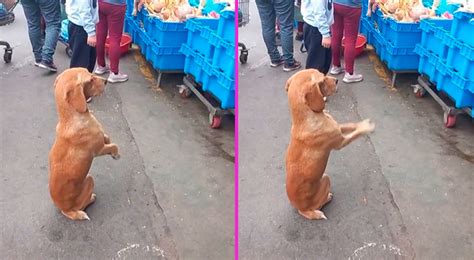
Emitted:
pixel 366 126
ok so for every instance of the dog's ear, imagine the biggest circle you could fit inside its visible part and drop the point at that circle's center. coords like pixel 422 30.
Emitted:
pixel 314 97
pixel 75 94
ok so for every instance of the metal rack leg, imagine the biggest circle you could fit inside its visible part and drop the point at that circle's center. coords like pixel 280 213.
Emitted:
pixel 394 78
pixel 158 79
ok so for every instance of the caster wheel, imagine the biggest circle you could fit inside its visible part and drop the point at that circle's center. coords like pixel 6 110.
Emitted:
pixel 243 57
pixel 214 121
pixel 69 51
pixel 420 92
pixel 449 120
pixel 7 57
pixel 185 92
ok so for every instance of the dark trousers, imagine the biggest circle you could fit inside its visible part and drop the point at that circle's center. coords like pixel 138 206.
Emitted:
pixel 318 57
pixel 83 55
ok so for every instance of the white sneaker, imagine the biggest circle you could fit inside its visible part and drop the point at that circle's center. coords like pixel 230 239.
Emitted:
pixel 336 70
pixel 348 78
pixel 101 70
pixel 115 78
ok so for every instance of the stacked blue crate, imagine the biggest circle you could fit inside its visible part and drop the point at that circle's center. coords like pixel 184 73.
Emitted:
pixel 210 57
pixel 447 60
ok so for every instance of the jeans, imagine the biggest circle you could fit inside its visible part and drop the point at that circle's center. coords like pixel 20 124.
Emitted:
pixel 83 55
pixel 318 57
pixel 269 11
pixel 43 48
pixel 110 22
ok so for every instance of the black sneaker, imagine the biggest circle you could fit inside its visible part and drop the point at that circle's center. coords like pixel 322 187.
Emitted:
pixel 299 36
pixel 292 66
pixel 277 63
pixel 48 65
pixel 37 63
pixel 278 39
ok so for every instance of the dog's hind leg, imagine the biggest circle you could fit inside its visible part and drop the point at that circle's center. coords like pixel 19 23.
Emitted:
pixel 313 214
pixel 321 198
pixel 86 197
pixel 76 215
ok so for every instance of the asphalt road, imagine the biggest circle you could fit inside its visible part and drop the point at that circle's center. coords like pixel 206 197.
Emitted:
pixel 169 196
pixel 405 192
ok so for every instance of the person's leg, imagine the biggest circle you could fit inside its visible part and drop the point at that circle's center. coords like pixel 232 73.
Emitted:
pixel 101 35
pixel 51 11
pixel 81 51
pixel 33 18
pixel 285 13
pixel 92 58
pixel 351 30
pixel 267 18
pixel 116 20
pixel 336 38
pixel 317 54
pixel 327 60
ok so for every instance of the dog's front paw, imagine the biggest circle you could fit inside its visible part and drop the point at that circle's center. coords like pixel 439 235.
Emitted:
pixel 366 126
pixel 116 156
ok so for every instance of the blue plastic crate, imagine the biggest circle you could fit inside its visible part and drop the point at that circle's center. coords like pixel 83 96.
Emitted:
pixel 428 62
pixel 400 59
pixel 460 57
pixel 165 33
pixel 458 88
pixel 198 36
pixel 365 29
pixel 64 34
pixel 224 55
pixel 226 27
pixel 433 31
pixel 400 35
pixel 129 7
pixel 463 27
pixel 378 42
pixel 165 58
pixel 220 86
pixel 194 63
pixel 128 25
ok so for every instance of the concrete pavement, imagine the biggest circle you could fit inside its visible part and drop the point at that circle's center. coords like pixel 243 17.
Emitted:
pixel 169 196
pixel 405 192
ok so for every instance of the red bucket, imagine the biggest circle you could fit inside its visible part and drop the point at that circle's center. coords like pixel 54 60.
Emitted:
pixel 360 44
pixel 125 43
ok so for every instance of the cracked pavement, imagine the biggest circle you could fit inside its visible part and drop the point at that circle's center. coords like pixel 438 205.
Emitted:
pixel 405 192
pixel 169 196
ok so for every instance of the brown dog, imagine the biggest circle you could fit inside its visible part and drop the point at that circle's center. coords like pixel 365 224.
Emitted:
pixel 79 138
pixel 314 134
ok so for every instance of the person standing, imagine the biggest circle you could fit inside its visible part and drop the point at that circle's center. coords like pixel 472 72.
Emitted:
pixel 83 15
pixel 283 10
pixel 44 45
pixel 111 18
pixel 346 22
pixel 318 16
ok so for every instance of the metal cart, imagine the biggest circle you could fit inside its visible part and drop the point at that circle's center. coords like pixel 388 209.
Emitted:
pixel 450 113
pixel 244 18
pixel 215 112
pixel 6 17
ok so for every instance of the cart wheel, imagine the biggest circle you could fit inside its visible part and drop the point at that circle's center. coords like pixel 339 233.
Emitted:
pixel 243 57
pixel 214 121
pixel 69 51
pixel 420 92
pixel 7 57
pixel 184 92
pixel 449 119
